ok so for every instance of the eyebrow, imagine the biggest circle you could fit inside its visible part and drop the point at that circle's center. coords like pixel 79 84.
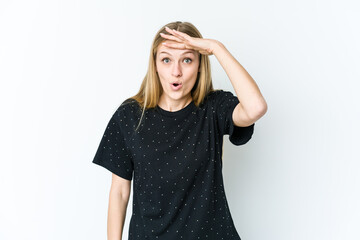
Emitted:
pixel 181 54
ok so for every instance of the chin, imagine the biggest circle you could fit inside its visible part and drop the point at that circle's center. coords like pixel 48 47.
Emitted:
pixel 176 95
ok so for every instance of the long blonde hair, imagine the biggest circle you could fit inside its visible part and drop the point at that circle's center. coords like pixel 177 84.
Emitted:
pixel 150 90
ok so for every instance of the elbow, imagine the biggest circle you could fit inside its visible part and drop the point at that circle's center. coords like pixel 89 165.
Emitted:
pixel 263 108
pixel 120 195
pixel 258 111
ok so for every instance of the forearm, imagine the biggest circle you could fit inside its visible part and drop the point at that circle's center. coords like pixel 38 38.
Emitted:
pixel 116 215
pixel 246 89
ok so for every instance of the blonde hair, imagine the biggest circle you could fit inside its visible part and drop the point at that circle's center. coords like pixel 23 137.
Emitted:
pixel 150 90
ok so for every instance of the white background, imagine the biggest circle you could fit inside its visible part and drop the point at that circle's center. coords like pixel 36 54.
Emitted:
pixel 65 66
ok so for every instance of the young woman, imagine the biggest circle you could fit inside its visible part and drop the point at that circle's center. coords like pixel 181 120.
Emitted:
pixel 168 138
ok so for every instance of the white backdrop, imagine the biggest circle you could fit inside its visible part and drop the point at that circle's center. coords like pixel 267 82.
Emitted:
pixel 65 65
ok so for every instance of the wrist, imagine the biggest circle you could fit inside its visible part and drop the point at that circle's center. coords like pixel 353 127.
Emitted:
pixel 217 46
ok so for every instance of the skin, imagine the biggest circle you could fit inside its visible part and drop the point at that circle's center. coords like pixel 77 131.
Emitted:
pixel 181 65
pixel 252 105
pixel 118 201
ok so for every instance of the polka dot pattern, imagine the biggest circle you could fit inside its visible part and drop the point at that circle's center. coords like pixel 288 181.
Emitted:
pixel 175 162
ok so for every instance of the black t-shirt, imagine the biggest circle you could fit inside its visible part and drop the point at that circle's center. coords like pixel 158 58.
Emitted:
pixel 175 161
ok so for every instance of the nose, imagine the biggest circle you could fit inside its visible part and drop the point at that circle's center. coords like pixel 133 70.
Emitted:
pixel 176 70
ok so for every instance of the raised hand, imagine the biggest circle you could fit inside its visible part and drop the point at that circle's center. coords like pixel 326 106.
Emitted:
pixel 182 40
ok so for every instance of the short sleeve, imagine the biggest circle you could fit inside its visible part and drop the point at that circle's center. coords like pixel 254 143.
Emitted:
pixel 225 103
pixel 113 153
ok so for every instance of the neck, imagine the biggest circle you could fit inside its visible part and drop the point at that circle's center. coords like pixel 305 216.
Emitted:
pixel 173 105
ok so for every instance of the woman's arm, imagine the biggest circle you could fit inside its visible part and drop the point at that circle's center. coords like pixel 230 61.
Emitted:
pixel 118 201
pixel 252 104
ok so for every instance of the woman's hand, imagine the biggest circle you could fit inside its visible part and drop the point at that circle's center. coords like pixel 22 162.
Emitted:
pixel 184 41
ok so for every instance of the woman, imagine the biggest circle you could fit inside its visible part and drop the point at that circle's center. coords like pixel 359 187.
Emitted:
pixel 169 137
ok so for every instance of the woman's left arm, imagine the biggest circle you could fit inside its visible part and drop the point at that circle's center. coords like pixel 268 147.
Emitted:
pixel 252 104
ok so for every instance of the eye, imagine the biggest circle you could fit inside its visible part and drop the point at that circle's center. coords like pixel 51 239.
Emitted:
pixel 188 59
pixel 164 59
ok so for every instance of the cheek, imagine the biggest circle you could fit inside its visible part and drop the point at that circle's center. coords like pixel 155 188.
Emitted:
pixel 194 72
pixel 161 69
pixel 161 74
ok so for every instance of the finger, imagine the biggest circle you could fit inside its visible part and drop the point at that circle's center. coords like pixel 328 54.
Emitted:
pixel 175 45
pixel 181 35
pixel 170 37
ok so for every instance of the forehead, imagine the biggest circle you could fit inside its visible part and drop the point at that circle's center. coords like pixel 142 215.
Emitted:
pixel 164 50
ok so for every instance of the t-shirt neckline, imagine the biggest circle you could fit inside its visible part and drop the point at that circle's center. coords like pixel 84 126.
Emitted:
pixel 182 111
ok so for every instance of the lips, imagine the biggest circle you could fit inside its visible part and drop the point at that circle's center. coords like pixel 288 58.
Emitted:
pixel 176 83
pixel 176 86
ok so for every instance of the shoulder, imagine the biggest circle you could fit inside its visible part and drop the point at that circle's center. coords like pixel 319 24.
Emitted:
pixel 129 108
pixel 218 94
pixel 127 105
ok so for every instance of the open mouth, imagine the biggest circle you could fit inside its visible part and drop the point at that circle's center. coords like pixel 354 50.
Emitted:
pixel 176 86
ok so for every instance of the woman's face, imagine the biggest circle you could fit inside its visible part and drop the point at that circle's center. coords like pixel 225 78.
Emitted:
pixel 179 66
